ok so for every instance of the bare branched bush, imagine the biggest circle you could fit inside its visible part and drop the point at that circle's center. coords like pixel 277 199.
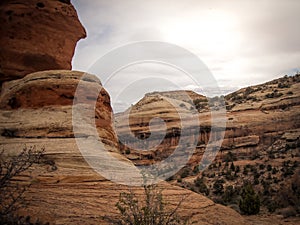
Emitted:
pixel 147 211
pixel 11 192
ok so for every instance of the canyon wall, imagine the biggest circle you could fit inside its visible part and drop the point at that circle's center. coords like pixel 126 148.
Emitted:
pixel 256 117
pixel 36 112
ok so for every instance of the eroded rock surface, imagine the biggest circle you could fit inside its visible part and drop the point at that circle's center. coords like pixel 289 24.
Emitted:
pixel 256 117
pixel 67 190
pixel 37 35
pixel 44 101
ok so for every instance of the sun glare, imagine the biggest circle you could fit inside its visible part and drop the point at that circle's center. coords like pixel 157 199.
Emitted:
pixel 211 32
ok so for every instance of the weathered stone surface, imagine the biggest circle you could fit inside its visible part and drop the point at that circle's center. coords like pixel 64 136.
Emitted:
pixel 256 117
pixel 75 194
pixel 43 102
pixel 72 192
pixel 262 130
pixel 37 35
pixel 238 142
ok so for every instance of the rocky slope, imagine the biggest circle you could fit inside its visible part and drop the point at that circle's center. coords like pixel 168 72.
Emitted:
pixel 256 116
pixel 37 35
pixel 262 127
pixel 37 111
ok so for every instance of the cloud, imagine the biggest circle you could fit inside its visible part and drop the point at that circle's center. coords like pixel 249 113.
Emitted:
pixel 242 42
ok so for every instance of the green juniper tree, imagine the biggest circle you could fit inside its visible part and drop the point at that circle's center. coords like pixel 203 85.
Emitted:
pixel 249 203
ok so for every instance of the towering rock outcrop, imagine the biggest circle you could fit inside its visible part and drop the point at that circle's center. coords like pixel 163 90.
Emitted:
pixel 37 35
pixel 44 101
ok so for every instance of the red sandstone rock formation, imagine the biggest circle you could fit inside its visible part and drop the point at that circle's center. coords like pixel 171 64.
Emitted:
pixel 37 35
pixel 51 94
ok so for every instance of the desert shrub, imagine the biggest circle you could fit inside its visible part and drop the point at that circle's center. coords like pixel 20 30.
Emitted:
pixel 229 194
pixel 230 157
pixel 249 203
pixel 283 85
pixel 245 171
pixel 220 164
pixel 200 103
pixel 288 171
pixel 254 155
pixel 237 98
pixel 237 169
pixel 229 107
pixel 266 187
pixel 249 90
pixel 226 164
pixel 198 100
pixel 148 211
pixel 185 173
pixel 253 98
pixel 218 187
pixel 271 205
pixel 201 186
pixel 21 220
pixel 127 151
pixel 170 178
pixel 211 175
pixel 274 170
pixel 253 169
pixel 256 174
pixel 232 167
pixel 196 170
pixel 274 94
pixel 289 195
pixel 229 175
pixel 11 192
pixel 271 155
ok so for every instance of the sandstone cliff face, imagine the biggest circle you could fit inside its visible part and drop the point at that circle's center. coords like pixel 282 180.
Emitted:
pixel 256 117
pixel 261 143
pixel 37 35
pixel 43 101
pixel 37 111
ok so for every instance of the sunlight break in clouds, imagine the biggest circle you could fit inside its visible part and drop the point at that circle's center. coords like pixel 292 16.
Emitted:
pixel 242 42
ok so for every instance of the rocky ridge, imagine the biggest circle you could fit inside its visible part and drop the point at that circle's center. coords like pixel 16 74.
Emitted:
pixel 274 104
pixel 262 127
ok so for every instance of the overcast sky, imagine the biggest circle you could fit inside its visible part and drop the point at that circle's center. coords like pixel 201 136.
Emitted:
pixel 241 42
